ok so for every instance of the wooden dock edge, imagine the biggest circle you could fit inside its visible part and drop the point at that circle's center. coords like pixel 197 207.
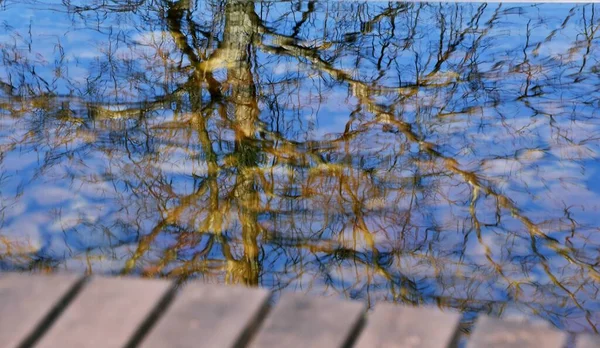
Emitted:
pixel 76 311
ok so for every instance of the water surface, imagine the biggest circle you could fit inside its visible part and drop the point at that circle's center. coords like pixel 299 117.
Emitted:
pixel 402 152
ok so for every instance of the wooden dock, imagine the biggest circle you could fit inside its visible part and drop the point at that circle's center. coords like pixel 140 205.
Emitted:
pixel 74 311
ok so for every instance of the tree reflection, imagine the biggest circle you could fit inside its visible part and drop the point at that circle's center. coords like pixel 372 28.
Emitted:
pixel 198 127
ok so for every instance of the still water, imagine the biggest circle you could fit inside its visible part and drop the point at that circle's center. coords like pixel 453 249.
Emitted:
pixel 404 152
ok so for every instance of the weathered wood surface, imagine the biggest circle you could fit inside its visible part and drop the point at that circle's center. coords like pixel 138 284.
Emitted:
pixel 27 303
pixel 495 333
pixel 63 311
pixel 588 341
pixel 209 316
pixel 402 326
pixel 107 313
pixel 300 321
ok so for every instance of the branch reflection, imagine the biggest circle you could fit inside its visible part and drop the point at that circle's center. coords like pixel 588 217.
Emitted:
pixel 409 152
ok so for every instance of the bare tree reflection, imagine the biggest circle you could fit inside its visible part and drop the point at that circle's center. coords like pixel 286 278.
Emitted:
pixel 198 128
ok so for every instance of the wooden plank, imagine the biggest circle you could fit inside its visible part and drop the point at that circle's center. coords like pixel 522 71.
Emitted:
pixel 209 316
pixel 496 333
pixel 587 341
pixel 301 321
pixel 402 326
pixel 108 312
pixel 28 303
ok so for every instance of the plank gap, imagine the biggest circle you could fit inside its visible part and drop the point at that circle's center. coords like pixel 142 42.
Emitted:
pixel 54 313
pixel 108 313
pixel 458 333
pixel 391 325
pixel 302 321
pixel 153 317
pixel 207 315
pixel 356 331
pixel 255 325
